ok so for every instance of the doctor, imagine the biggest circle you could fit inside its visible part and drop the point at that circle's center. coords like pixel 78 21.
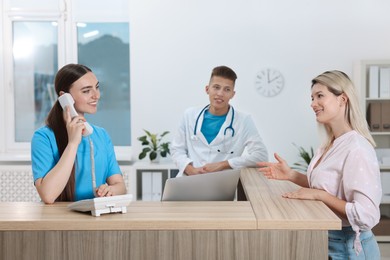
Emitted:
pixel 213 138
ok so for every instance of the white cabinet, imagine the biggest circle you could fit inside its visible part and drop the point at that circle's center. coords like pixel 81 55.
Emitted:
pixel 148 179
pixel 372 79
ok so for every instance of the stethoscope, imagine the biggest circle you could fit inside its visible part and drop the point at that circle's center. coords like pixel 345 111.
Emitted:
pixel 229 127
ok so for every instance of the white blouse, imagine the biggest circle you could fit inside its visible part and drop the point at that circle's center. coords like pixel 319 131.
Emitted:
pixel 350 171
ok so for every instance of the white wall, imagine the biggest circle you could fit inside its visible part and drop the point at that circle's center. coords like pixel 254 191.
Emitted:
pixel 176 43
pixel 2 97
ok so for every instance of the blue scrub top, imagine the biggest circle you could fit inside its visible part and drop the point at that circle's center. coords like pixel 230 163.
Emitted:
pixel 211 125
pixel 45 155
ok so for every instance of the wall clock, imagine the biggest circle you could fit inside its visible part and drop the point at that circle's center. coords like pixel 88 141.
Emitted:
pixel 269 82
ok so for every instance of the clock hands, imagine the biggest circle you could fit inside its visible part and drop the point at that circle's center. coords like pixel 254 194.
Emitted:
pixel 268 76
pixel 273 79
pixel 269 81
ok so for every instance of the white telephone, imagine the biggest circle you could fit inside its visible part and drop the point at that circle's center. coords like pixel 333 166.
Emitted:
pixel 103 205
pixel 66 99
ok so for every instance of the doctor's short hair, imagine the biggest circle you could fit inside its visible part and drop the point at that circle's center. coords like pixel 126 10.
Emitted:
pixel 224 72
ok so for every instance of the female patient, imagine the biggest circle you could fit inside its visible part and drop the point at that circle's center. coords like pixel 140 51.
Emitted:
pixel 344 173
pixel 62 160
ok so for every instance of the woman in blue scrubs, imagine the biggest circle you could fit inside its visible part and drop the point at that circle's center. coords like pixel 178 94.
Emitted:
pixel 68 166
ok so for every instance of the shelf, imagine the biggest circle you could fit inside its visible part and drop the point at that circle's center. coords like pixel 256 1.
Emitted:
pixel 385 199
pixel 148 178
pixel 162 164
pixel 372 107
pixel 384 167
pixel 380 133
pixel 377 99
pixel 383 228
pixel 381 238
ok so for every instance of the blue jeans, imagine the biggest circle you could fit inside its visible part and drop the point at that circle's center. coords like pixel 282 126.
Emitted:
pixel 341 245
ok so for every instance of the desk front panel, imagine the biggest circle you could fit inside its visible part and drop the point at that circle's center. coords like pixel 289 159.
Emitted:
pixel 165 244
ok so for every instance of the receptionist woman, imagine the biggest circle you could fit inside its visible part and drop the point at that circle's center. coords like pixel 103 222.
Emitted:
pixel 68 166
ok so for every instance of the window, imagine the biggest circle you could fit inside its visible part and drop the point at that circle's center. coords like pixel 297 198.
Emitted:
pixel 104 47
pixel 35 64
pixel 42 37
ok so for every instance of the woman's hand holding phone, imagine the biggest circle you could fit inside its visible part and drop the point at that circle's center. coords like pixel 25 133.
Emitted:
pixel 74 127
pixel 66 100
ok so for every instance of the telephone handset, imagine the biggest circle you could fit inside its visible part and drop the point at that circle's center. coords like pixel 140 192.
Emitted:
pixel 66 99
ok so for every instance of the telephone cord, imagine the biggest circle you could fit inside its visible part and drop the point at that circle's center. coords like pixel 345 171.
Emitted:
pixel 92 166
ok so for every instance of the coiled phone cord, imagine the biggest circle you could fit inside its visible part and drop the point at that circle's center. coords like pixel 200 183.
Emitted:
pixel 92 166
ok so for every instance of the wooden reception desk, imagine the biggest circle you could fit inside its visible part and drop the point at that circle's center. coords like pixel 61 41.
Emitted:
pixel 266 226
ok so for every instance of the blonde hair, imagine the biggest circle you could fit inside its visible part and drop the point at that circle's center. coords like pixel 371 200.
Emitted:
pixel 338 83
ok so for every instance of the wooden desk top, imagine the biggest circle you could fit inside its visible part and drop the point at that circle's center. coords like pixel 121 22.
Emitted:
pixel 275 212
pixel 139 216
pixel 265 209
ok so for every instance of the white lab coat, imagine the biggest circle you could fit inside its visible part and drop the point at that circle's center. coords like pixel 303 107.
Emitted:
pixel 187 147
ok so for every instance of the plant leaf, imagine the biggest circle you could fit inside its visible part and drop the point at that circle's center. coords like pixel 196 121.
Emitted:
pixel 152 155
pixel 141 155
pixel 146 150
pixel 142 138
pixel 165 133
pixel 153 139
pixel 165 146
pixel 154 145
pixel 147 132
pixel 305 156
pixel 145 142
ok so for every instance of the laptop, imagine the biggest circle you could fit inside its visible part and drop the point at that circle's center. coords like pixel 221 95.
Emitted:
pixel 214 186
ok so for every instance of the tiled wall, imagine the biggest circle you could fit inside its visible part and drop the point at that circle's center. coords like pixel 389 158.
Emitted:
pixel 16 183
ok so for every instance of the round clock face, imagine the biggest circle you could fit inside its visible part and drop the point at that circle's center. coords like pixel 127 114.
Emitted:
pixel 269 82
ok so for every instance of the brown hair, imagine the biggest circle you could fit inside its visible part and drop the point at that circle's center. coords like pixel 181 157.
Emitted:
pixel 64 80
pixel 224 72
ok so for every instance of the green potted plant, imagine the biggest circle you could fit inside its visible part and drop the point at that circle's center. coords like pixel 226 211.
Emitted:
pixel 153 145
pixel 306 158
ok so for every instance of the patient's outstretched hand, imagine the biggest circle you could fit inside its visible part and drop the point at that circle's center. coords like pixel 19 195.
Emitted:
pixel 275 170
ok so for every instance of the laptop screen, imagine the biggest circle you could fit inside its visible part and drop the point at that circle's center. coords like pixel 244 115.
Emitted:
pixel 214 186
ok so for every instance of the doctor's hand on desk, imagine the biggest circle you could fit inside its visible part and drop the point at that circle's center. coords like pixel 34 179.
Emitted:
pixel 210 167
